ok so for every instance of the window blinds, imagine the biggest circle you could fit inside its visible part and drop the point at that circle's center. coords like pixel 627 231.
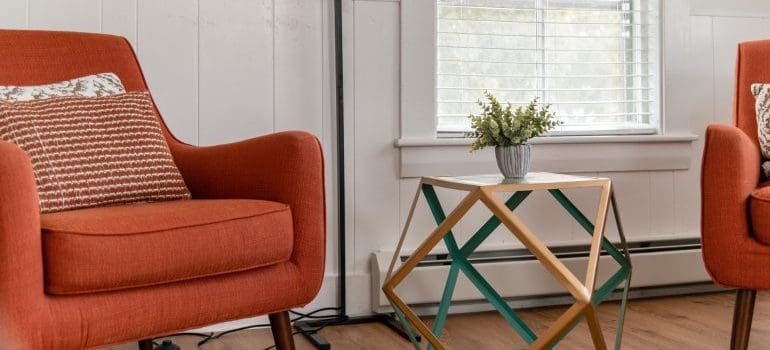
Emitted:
pixel 594 61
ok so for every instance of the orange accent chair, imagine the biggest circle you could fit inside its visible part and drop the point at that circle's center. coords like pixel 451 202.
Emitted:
pixel 735 220
pixel 250 242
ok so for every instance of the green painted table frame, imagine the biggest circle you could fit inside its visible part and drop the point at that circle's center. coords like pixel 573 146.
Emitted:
pixel 459 256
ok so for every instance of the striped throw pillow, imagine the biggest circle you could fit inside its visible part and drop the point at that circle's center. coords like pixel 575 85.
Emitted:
pixel 89 152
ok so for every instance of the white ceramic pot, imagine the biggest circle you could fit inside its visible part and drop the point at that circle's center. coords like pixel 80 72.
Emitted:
pixel 513 161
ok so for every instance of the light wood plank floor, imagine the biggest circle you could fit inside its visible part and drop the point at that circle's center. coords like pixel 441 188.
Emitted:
pixel 692 322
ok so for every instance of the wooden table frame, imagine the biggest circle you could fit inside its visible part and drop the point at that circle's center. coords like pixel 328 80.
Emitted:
pixel 483 188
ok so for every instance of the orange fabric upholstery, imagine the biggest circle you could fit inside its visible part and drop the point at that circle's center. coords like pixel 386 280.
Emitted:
pixel 93 250
pixel 751 67
pixel 760 213
pixel 285 168
pixel 732 243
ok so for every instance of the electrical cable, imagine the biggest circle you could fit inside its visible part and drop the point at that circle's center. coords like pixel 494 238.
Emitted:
pixel 301 316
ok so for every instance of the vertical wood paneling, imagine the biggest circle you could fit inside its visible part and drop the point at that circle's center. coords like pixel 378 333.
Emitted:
pixel 677 81
pixel 587 200
pixel 13 14
pixel 543 215
pixel 168 51
pixel 700 101
pixel 632 191
pixel 699 76
pixel 119 18
pixel 376 126
pixel 418 59
pixel 298 54
pixel 75 15
pixel 236 70
pixel 662 214
pixel 421 221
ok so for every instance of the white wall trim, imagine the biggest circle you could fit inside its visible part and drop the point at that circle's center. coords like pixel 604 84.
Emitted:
pixel 418 68
pixel 572 154
pixel 419 287
pixel 458 141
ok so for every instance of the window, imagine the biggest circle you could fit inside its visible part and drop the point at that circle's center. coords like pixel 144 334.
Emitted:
pixel 594 61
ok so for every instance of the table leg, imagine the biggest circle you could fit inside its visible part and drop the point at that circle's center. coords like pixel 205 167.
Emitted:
pixel 622 258
pixel 390 284
pixel 460 262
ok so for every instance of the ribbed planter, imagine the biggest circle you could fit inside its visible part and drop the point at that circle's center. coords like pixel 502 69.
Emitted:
pixel 513 161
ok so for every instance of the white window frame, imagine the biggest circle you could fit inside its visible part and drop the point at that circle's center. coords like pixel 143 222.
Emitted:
pixel 424 154
pixel 654 124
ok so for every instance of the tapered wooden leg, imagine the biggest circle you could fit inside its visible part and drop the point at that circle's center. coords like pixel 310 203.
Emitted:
pixel 146 344
pixel 744 311
pixel 282 334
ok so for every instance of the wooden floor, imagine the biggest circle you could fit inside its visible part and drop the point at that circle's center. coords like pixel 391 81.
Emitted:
pixel 693 322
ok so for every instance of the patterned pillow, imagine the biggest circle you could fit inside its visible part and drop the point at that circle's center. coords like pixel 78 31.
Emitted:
pixel 104 84
pixel 762 96
pixel 90 152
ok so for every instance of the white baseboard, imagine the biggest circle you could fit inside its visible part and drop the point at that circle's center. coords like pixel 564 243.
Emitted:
pixel 424 287
pixel 523 279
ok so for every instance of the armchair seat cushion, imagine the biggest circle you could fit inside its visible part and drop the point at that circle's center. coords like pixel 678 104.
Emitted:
pixel 119 247
pixel 760 213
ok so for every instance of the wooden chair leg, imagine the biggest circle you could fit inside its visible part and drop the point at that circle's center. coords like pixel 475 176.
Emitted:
pixel 280 324
pixel 744 311
pixel 146 344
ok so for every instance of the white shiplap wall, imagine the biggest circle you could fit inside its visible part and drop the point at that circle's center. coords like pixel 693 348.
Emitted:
pixel 220 70
pixel 230 69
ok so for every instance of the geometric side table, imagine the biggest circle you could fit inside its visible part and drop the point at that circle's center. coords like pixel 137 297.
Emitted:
pixel 483 188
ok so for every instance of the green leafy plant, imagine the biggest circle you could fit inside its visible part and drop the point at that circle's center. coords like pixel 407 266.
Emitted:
pixel 505 126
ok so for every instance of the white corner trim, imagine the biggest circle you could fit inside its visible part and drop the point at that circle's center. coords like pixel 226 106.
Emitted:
pixel 572 154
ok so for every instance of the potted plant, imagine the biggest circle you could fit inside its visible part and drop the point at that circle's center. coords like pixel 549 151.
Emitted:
pixel 508 130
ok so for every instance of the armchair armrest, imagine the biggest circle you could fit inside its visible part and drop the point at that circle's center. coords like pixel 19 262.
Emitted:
pixel 730 173
pixel 285 167
pixel 21 259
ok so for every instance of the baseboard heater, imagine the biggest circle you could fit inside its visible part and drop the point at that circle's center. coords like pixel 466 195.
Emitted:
pixel 660 268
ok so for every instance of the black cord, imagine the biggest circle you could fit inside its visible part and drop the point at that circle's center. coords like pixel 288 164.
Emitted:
pixel 312 313
pixel 202 335
pixel 301 316
pixel 329 320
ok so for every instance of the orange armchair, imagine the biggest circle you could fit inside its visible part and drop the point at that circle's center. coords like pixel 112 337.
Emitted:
pixel 250 242
pixel 735 220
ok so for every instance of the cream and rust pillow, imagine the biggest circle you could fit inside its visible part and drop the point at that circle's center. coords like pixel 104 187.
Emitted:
pixel 104 84
pixel 90 152
pixel 762 97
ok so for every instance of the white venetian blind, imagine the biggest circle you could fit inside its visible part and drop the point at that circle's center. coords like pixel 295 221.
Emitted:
pixel 594 61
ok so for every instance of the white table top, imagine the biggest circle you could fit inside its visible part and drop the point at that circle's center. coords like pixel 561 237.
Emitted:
pixel 533 181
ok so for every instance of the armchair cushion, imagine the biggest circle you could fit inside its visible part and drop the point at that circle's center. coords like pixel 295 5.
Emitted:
pixel 119 247
pixel 760 213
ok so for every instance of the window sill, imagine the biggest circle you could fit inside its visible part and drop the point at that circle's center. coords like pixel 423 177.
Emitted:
pixel 572 154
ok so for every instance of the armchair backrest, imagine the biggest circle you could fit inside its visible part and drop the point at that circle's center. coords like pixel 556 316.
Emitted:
pixel 33 57
pixel 752 66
